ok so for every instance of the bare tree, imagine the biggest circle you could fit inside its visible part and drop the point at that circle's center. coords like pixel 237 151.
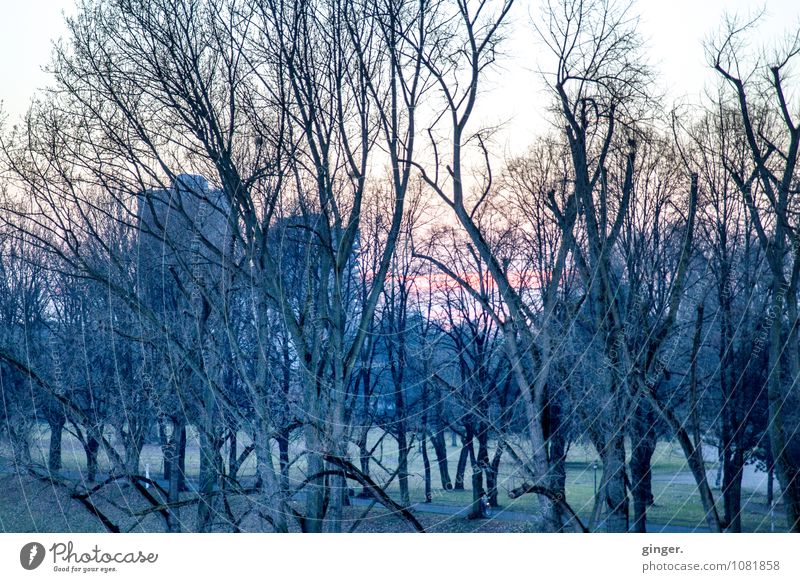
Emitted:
pixel 766 110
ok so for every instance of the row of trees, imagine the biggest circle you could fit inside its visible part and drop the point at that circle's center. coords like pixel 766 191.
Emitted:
pixel 356 260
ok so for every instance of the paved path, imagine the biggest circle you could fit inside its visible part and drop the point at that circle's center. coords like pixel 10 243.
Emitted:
pixel 753 480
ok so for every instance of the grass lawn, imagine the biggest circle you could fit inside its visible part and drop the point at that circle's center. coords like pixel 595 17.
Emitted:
pixel 30 505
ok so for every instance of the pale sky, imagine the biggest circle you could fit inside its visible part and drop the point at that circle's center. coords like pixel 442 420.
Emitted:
pixel 673 29
pixel 27 30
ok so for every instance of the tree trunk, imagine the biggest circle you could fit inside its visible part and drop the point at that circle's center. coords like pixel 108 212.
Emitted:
pixel 439 446
pixel 437 437
pixel 785 467
pixel 402 463
pixel 363 459
pixel 272 497
pixel 770 476
pixel 643 446
pixel 315 490
pixel 209 452
pixel 171 451
pixel 557 450
pixel 91 448
pixel 614 480
pixel 133 451
pixel 336 440
pixel 535 404
pixel 401 436
pixel 56 433
pixel 207 479
pixel 423 437
pixel 491 477
pixel 182 457
pixel 233 455
pixel 732 488
pixel 466 445
pixel 283 454
pixel 483 462
pixel 476 510
pixel 426 464
pixel 694 458
pixel 20 446
pixel 693 454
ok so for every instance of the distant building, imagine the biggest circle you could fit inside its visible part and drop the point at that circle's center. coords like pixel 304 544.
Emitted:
pixel 176 219
pixel 183 227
